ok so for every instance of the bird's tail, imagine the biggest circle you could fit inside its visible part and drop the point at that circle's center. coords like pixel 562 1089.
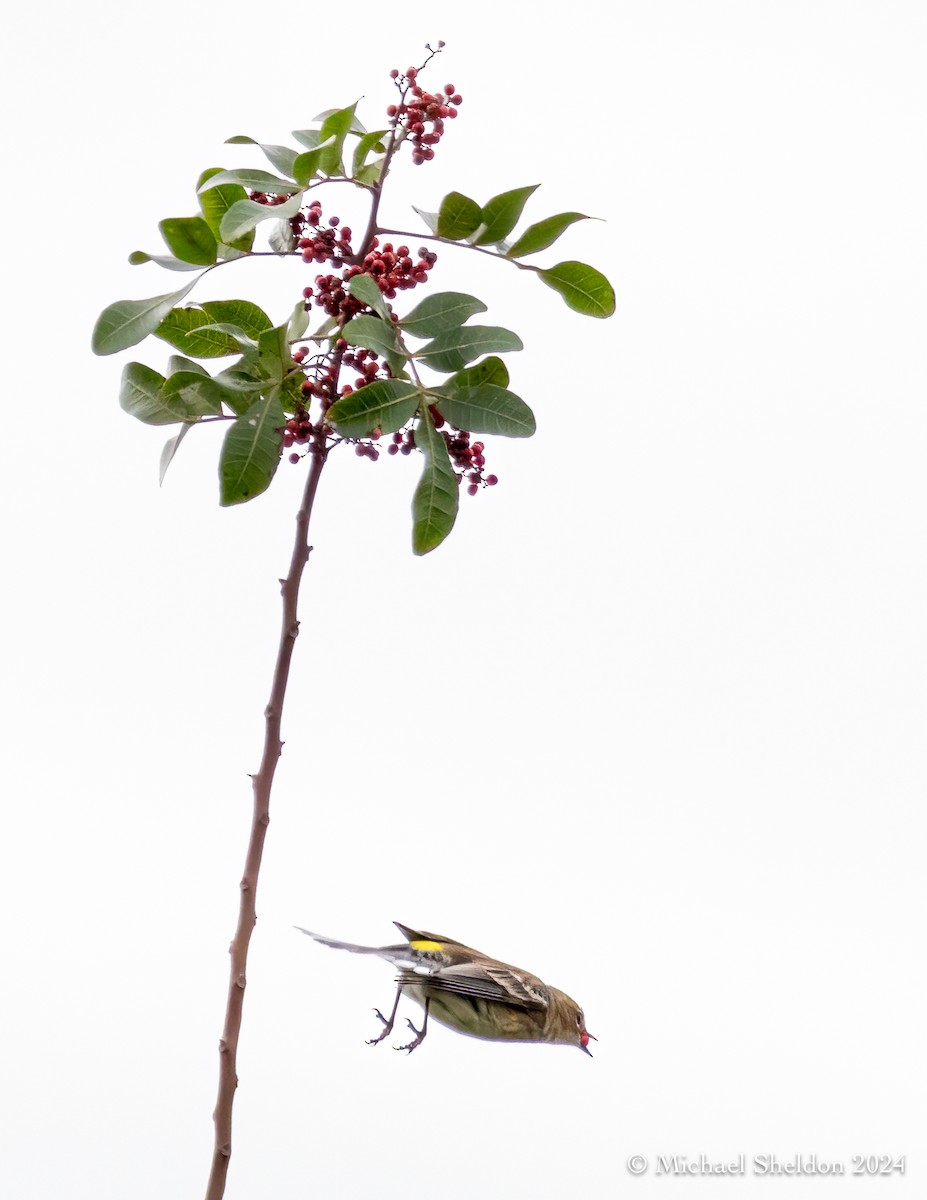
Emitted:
pixel 336 945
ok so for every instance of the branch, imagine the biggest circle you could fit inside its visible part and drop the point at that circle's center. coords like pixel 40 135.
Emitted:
pixel 261 788
pixel 464 245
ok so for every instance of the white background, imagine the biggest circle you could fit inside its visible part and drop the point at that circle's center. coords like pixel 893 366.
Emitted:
pixel 650 724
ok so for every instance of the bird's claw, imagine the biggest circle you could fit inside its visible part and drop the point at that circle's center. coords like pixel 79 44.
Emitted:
pixel 385 1032
pixel 417 1041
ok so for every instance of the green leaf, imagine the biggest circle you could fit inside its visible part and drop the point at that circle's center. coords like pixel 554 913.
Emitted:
pixel 245 214
pixel 242 341
pixel 440 313
pixel 453 350
pixel 197 390
pixel 189 239
pixel 179 381
pixel 180 328
pixel 313 161
pixel 217 201
pixel 364 288
pixel 240 383
pixel 274 358
pixel 127 322
pixel 177 362
pixel 458 216
pixel 337 125
pixel 291 393
pixel 543 234
pixel 500 215
pixel 190 329
pixel 374 334
pixel 490 370
pixel 309 138
pixel 251 450
pixel 282 238
pixel 142 395
pixel 281 158
pixel 229 253
pixel 430 218
pixel 251 318
pixel 356 126
pixel 582 287
pixel 255 181
pixel 486 409
pixel 386 404
pixel 137 257
pixel 366 143
pixel 434 505
pixel 298 323
pixel 371 173
pixel 171 446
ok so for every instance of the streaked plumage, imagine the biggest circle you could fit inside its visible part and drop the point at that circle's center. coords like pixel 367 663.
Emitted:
pixel 472 993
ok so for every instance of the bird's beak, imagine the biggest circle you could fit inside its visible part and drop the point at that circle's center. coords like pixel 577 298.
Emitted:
pixel 583 1046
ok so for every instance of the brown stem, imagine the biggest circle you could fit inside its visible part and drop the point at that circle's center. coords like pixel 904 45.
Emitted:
pixel 261 787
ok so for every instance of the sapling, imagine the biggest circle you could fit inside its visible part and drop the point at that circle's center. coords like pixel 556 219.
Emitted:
pixel 374 373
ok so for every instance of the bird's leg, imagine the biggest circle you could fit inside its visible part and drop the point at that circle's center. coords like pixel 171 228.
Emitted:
pixel 419 1033
pixel 387 1022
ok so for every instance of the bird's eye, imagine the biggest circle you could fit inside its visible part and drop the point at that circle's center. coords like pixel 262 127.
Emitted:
pixel 579 1020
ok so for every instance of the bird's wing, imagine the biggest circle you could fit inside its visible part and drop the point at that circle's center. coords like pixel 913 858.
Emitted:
pixel 485 981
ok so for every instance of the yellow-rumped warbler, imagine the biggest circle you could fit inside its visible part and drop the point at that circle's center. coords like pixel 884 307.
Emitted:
pixel 472 993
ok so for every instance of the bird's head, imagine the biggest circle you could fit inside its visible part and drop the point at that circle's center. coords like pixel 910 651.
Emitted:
pixel 570 1023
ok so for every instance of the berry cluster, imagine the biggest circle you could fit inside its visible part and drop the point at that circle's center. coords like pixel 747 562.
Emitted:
pixel 324 245
pixel 418 110
pixel 392 269
pixel 467 456
pixel 402 443
pixel 368 364
pixel 331 295
pixel 298 430
pixel 323 386
pixel 321 374
pixel 268 198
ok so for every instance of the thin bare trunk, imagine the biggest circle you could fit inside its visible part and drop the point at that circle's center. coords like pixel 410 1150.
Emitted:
pixel 261 788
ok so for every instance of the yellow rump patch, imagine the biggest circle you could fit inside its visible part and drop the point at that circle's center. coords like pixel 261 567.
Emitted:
pixel 422 945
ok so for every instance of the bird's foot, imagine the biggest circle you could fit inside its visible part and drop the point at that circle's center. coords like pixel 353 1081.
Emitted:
pixel 417 1040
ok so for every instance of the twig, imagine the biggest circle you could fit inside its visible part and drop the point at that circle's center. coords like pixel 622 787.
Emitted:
pixel 261 788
